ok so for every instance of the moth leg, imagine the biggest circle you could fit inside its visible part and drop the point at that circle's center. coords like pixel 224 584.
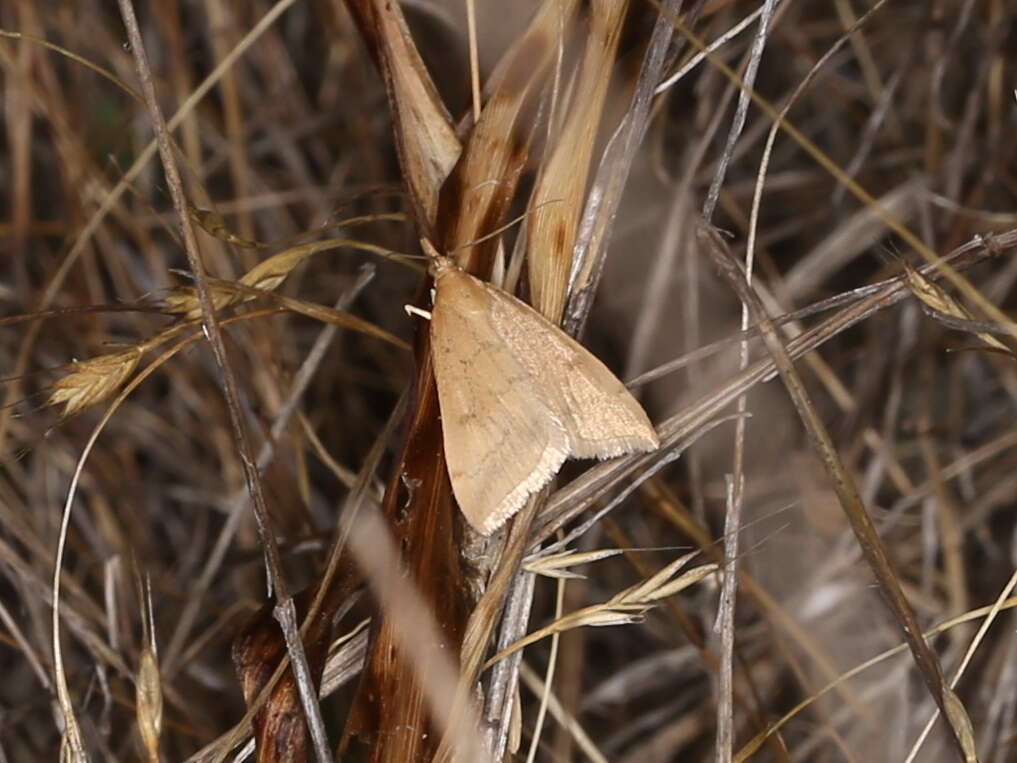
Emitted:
pixel 414 310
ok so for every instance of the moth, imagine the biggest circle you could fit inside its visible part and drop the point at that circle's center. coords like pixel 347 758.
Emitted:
pixel 518 396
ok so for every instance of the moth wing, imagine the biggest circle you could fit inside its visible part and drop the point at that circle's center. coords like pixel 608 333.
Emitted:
pixel 503 441
pixel 600 415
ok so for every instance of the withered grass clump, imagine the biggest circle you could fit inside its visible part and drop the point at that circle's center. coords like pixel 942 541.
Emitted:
pixel 789 226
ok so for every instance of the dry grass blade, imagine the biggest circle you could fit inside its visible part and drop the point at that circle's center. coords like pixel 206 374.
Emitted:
pixel 277 585
pixel 559 149
pixel 473 200
pixel 588 747
pixel 605 195
pixel 552 227
pixel 428 147
pixel 476 195
pixel 847 492
pixel 963 285
pixel 576 497
pixel 110 200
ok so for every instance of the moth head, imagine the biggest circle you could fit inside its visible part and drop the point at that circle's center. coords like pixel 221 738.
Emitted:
pixel 438 263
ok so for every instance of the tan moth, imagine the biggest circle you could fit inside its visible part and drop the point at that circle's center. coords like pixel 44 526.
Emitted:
pixel 518 396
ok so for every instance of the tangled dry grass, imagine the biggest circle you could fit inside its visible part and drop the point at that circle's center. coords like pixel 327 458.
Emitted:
pixel 789 226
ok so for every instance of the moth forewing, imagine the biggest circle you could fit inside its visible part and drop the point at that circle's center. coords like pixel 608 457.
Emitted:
pixel 600 415
pixel 501 442
pixel 518 396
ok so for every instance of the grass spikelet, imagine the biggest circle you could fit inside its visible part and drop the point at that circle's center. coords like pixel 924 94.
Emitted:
pixel 267 275
pixel 91 381
pixel 699 192
pixel 183 301
pixel 939 301
pixel 148 699
pixel 625 607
